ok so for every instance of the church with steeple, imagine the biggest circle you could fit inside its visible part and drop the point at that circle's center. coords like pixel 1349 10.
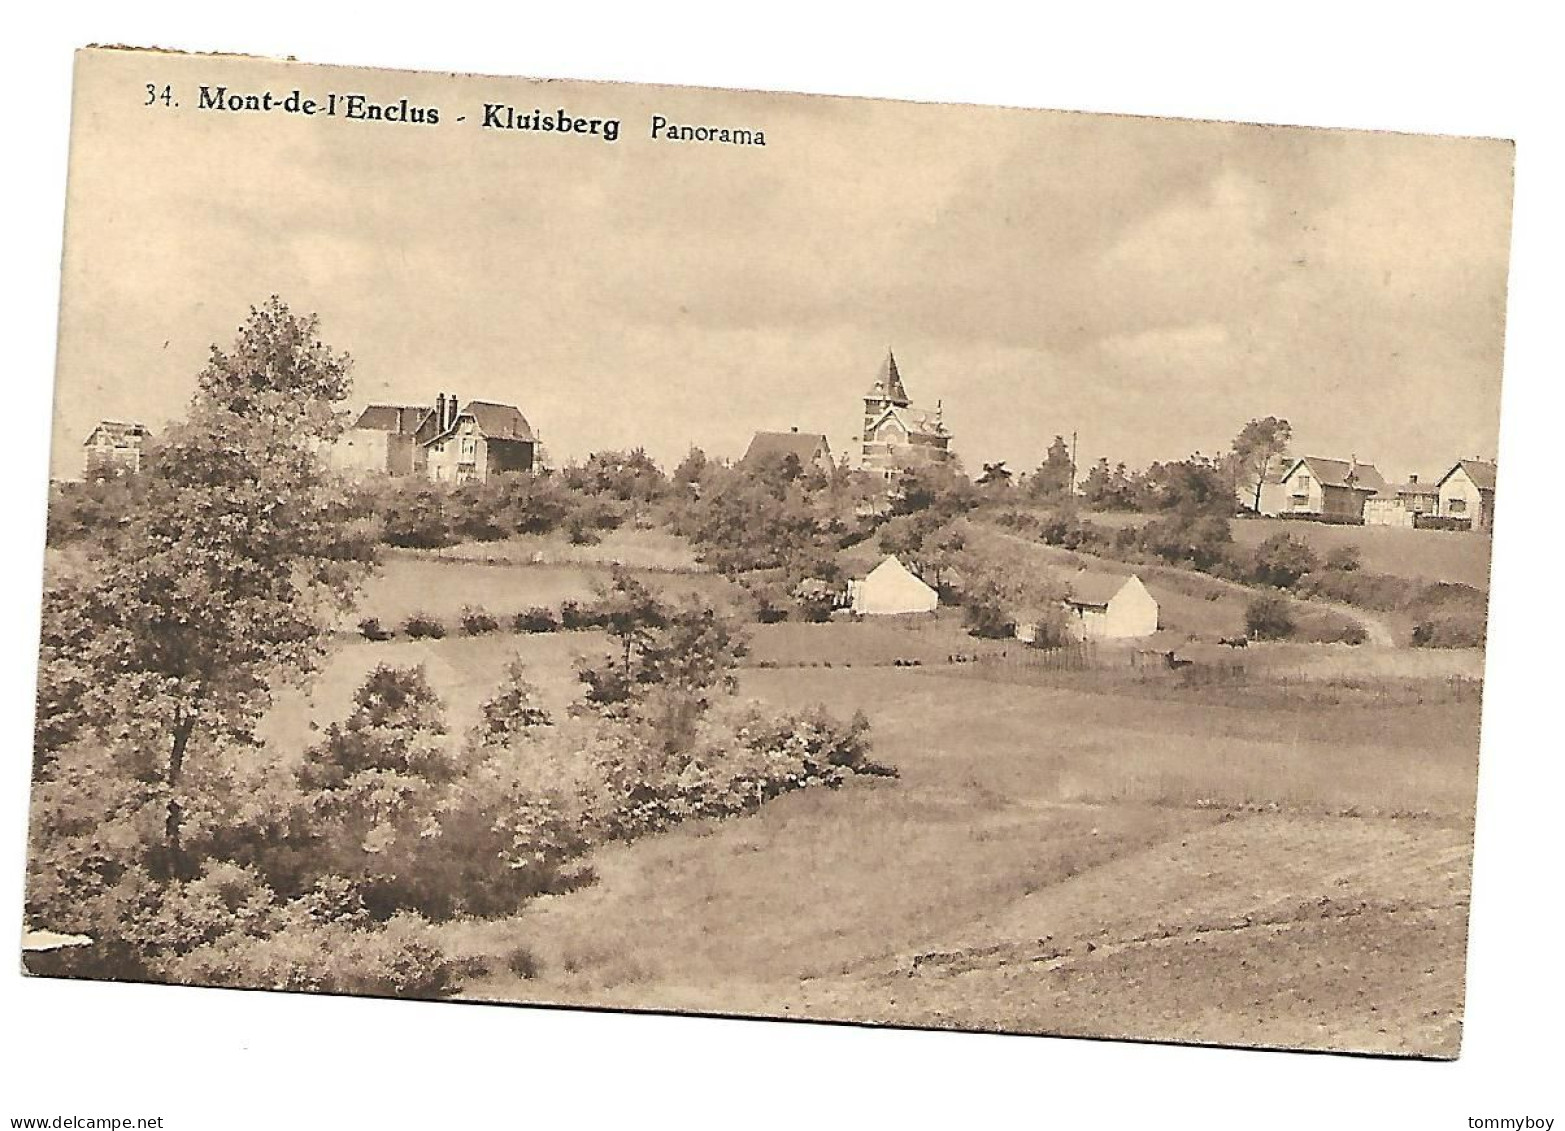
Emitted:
pixel 897 435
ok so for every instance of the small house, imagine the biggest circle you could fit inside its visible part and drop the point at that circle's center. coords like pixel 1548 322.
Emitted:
pixel 115 448
pixel 891 589
pixel 1104 606
pixel 1467 492
pixel 1315 487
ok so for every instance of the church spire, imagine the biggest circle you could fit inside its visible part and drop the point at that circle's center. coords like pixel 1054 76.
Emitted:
pixel 888 384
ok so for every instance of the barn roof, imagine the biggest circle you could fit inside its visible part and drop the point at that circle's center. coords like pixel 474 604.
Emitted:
pixel 403 419
pixel 1095 587
pixel 805 446
pixel 1481 472
pixel 1343 473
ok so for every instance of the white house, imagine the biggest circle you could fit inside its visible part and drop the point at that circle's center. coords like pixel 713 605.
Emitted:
pixel 1104 606
pixel 891 589
pixel 1467 491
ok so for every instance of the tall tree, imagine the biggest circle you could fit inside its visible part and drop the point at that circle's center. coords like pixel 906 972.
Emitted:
pixel 1053 479
pixel 233 566
pixel 1258 444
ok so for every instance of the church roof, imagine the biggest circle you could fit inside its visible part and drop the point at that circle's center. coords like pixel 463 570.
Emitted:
pixel 888 383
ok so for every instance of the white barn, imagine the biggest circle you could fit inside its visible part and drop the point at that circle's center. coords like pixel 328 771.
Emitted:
pixel 1110 607
pixel 891 589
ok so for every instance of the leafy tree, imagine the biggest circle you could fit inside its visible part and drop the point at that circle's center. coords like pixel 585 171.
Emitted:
pixel 1259 444
pixel 232 568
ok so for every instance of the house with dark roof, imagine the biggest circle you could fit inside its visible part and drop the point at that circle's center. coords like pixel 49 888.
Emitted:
pixel 1315 487
pixel 114 448
pixel 1467 492
pixel 809 448
pixel 896 434
pixel 477 441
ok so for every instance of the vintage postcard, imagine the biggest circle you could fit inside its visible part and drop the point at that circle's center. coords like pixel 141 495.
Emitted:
pixel 768 555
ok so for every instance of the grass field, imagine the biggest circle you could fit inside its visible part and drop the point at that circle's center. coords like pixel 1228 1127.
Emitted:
pixel 637 549
pixel 1428 555
pixel 423 582
pixel 1283 860
pixel 1053 861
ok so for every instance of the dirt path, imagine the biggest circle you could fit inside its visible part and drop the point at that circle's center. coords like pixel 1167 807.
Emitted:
pixel 1380 633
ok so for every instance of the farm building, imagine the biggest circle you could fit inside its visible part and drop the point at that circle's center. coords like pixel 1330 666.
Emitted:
pixel 1329 488
pixel 1401 505
pixel 114 448
pixel 1467 491
pixel 1105 606
pixel 809 448
pixel 891 589
pixel 897 435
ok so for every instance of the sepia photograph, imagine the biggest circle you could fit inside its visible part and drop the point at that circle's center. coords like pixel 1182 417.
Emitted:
pixel 776 556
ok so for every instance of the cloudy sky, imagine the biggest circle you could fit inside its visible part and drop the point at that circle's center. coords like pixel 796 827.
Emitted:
pixel 1148 284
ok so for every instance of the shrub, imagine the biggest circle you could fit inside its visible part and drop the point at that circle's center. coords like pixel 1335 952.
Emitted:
pixel 523 962
pixel 577 616
pixel 1269 617
pixel 371 629
pixel 1456 629
pixel 537 619
pixel 1281 560
pixel 477 621
pixel 1344 559
pixel 420 626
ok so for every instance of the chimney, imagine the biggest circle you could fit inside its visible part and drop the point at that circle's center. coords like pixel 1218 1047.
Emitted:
pixel 1412 478
pixel 450 410
pixel 440 412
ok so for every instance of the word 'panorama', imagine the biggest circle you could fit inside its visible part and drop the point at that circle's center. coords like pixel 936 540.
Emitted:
pixel 664 130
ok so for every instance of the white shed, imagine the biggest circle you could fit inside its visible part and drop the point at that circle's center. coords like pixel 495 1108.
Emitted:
pixel 891 589
pixel 1110 607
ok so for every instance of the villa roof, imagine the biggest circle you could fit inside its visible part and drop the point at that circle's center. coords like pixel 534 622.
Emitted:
pixel 1481 472
pixel 119 430
pixel 804 446
pixel 495 422
pixel 1343 473
pixel 403 419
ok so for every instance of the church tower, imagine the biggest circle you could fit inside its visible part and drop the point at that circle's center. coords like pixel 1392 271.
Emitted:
pixel 884 393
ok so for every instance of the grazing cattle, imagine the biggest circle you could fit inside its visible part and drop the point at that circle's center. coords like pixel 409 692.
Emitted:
pixel 1235 641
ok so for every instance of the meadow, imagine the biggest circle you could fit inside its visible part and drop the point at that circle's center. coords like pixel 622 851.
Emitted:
pixel 442 586
pixel 1426 555
pixel 1037 829
pixel 1064 851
